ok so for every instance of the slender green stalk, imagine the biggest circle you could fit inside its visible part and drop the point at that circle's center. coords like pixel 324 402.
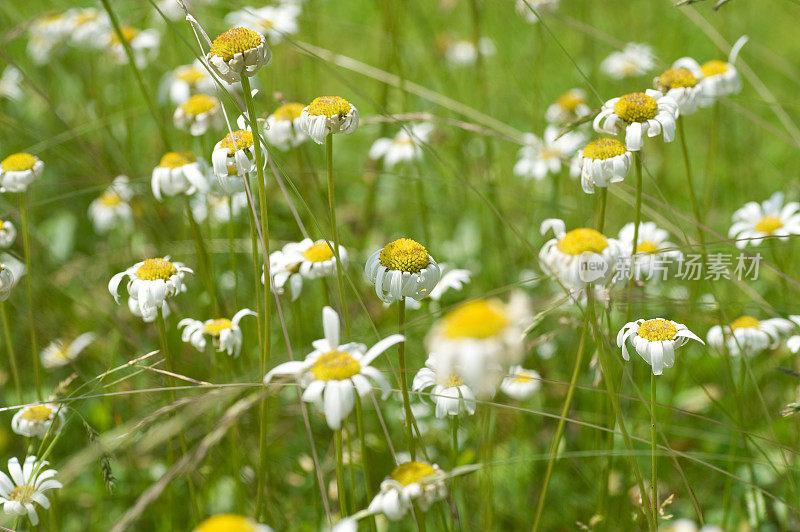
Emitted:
pixel 487 503
pixel 26 246
pixel 453 443
pixel 653 447
pixel 340 489
pixel 401 352
pixel 364 457
pixel 601 214
pixel 203 259
pixel 637 160
pixel 423 206
pixel 559 431
pixel 232 251
pixel 12 357
pixel 419 518
pixel 335 232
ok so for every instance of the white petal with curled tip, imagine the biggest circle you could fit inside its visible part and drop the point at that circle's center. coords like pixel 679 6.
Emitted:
pixel 330 325
pixel 380 347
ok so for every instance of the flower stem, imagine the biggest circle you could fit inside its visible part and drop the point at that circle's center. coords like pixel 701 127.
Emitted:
pixel 637 159
pixel 692 195
pixel 653 460
pixel 232 251
pixel 601 214
pixel 364 462
pixel 205 263
pixel 401 351
pixel 335 232
pixel 340 489
pixel 26 245
pixel 487 509
pixel 12 358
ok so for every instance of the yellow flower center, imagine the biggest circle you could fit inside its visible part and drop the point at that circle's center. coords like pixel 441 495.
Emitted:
pixel 412 473
pixel 226 523
pixel 604 148
pixel 199 103
pixel 18 162
pixel 128 33
pixel 405 255
pixel 37 413
pixel 657 330
pixel 20 493
pixel 288 111
pixel 453 381
pixel 647 246
pixel 582 240
pixel 481 319
pixel 176 159
pixel 769 224
pixel 87 15
pixel 319 252
pixel 570 100
pixel 744 322
pixel 242 139
pixel 154 269
pixel 335 366
pixel 714 67
pixel 2 224
pixel 109 198
pixel 676 78
pixel 234 41
pixel 329 106
pixel 524 378
pixel 217 326
pixel 190 75
pixel 636 107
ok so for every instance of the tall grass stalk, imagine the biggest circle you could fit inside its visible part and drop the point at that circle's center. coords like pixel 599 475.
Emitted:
pixel 335 232
pixel 26 246
pixel 401 356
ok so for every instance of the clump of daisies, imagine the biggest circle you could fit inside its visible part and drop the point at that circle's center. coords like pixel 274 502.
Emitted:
pixel 770 219
pixel 716 78
pixel 306 259
pixel 655 340
pixel 143 44
pixel 25 488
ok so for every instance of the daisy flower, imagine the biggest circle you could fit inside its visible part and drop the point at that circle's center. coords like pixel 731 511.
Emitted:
pixel 237 52
pixel 521 383
pixel 179 172
pixel 58 354
pixel 230 523
pixel 754 222
pixel 274 21
pixel 454 278
pixel 224 333
pixel 90 27
pixel 403 268
pixel 197 114
pixel 540 157
pixel 578 257
pixel 19 170
pixel 305 259
pixel 174 11
pixel 717 78
pixel 283 127
pixel 540 6
pixel 180 84
pixel 8 233
pixel 465 52
pixel 682 86
pixel 26 486
pixel 143 44
pixel 151 282
pixel 234 158
pixel 10 82
pixel 327 115
pixel 333 374
pixel 638 114
pixel 602 162
pixel 570 106
pixel 652 248
pixel 11 271
pixel 448 392
pixel 634 60
pixel 655 340
pixel 46 34
pixel 218 207
pixel 409 483
pixel 405 147
pixel 35 421
pixel 748 335
pixel 111 209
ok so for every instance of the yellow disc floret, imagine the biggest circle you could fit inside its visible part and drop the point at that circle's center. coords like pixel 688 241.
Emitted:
pixel 481 319
pixel 18 162
pixel 714 67
pixel 676 78
pixel 238 140
pixel 744 322
pixel 198 104
pixel 226 523
pixel 412 473
pixel 217 326
pixel 657 330
pixel 329 106
pixel 319 252
pixel 604 148
pixel 405 255
pixel 176 159
pixel 582 240
pixel 524 378
pixel 128 33
pixel 769 224
pixel 154 269
pixel 235 41
pixel 288 111
pixel 570 100
pixel 21 493
pixel 636 107
pixel 37 413
pixel 190 75
pixel 647 246
pixel 335 366
pixel 109 198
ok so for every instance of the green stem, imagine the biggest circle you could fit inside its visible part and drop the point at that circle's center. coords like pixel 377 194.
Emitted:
pixel 12 358
pixel 637 159
pixel 335 232
pixel 487 510
pixel 401 351
pixel 653 445
pixel 206 265
pixel 232 251
pixel 340 489
pixel 364 461
pixel 601 215
pixel 26 246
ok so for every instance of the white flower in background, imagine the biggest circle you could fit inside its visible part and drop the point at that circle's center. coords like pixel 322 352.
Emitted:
pixel 173 10
pixel 275 22
pixel 540 6
pixel 754 222
pixel 90 27
pixel 8 233
pixel 197 114
pixel 634 60
pixel 218 206
pixel 447 391
pixel 717 78
pixel 283 127
pixel 10 82
pixel 405 147
pixel 521 383
pixel 333 374
pixel 58 354
pixel 465 53
pixel 46 35
pixel 35 421
pixel 638 114
pixel 682 86
pixel 179 172
pixel 143 44
pixel 402 268
pixel 653 247
pixel 11 272
pixel 481 338
pixel 454 278
pixel 180 84
pixel 19 170
pixel 327 115
pixel 540 157
pixel 687 525
pixel 655 340
pixel 225 334
pixel 305 259
pixel 578 257
pixel 151 282
pixel 237 52
pixel 569 106
pixel 602 162
pixel 230 523
pixel 410 483
pixel 112 209
pixel 233 158
pixel 748 335
pixel 26 486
